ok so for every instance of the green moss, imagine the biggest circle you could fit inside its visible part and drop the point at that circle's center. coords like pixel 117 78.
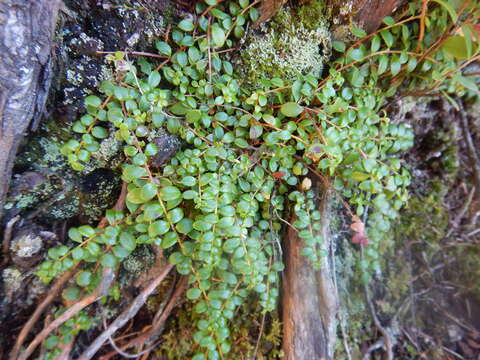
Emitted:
pixel 285 48
pixel 311 13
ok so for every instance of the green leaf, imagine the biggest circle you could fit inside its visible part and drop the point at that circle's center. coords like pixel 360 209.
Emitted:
pixel 158 228
pixel 86 230
pixel 356 54
pixel 175 215
pixel 395 66
pixel 93 101
pixel 218 35
pixel 358 32
pixel 127 241
pixel 193 293
pixel 163 48
pixel 99 132
pixel 75 235
pixel 186 25
pixel 170 193
pixel 382 64
pixel 387 37
pixel 193 115
pixel 84 278
pixel 154 79
pixel 169 240
pixel 78 253
pixel 108 260
pixel 388 20
pixel 359 176
pixel 291 109
pixel 456 46
pixel 71 293
pixel 188 181
pixel 148 191
pixel 184 226
pixel 375 45
pixel 339 46
pixel 151 149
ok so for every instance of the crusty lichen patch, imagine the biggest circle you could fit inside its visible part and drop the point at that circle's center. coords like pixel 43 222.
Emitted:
pixel 284 48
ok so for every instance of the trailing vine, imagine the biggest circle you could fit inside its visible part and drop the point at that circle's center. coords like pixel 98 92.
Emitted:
pixel 216 207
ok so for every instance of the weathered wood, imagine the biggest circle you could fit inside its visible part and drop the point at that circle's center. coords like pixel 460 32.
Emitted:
pixel 309 297
pixel 26 28
pixel 366 13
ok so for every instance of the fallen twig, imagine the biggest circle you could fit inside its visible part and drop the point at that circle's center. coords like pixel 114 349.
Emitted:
pixel 100 291
pixel 126 315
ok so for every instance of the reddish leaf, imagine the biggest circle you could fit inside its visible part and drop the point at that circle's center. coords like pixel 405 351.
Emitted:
pixel 279 174
pixel 360 238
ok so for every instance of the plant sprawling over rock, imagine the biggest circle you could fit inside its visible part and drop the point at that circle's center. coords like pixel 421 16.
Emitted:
pixel 216 207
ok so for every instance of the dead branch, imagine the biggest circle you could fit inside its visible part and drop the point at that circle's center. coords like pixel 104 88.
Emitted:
pixel 126 315
pixel 100 291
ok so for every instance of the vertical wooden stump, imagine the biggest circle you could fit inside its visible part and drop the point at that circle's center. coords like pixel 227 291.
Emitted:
pixel 26 30
pixel 309 298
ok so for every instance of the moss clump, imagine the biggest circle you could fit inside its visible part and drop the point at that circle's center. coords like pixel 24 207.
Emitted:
pixel 285 48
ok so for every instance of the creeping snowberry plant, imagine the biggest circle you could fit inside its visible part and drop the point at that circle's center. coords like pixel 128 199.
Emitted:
pixel 216 207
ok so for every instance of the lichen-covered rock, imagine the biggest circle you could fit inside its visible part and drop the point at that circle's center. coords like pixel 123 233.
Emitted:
pixel 167 145
pixel 286 46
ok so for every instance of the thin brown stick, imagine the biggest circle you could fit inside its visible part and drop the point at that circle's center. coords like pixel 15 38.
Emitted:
pixel 422 24
pixel 7 236
pixel 52 294
pixel 126 315
pixel 100 291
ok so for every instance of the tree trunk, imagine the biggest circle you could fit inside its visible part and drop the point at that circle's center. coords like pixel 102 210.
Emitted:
pixel 309 296
pixel 26 28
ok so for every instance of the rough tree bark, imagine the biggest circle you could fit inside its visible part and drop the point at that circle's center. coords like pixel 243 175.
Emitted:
pixel 309 296
pixel 26 28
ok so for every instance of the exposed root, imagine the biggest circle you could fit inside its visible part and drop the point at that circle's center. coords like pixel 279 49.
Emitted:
pixel 52 294
pixel 126 315
pixel 101 290
pixel 159 321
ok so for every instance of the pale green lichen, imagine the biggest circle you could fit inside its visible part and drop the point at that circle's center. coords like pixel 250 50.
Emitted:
pixel 285 48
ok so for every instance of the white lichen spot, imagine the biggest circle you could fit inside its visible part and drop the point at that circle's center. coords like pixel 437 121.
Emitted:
pixel 26 245
pixel 12 281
